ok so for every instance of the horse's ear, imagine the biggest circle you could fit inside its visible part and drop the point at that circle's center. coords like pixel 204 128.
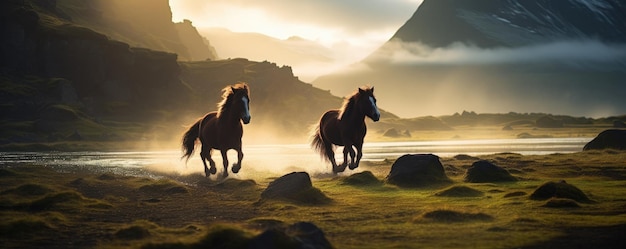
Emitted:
pixel 372 89
pixel 232 88
pixel 361 90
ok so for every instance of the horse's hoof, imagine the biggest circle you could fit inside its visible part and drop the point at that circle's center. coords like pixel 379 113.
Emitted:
pixel 353 166
pixel 213 170
pixel 339 169
pixel 236 168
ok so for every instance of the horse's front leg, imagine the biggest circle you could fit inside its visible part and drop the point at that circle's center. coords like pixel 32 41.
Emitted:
pixel 347 150
pixel 359 155
pixel 237 165
pixel 225 162
pixel 205 154
pixel 352 158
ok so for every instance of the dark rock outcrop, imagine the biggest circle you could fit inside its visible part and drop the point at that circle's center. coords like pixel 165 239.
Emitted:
pixel 417 170
pixel 608 139
pixel 485 171
pixel 295 187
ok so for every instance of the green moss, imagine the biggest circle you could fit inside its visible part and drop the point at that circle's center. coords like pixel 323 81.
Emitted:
pixel 164 186
pixel 23 227
pixel 451 216
pixel 219 236
pixel 30 189
pixel 132 233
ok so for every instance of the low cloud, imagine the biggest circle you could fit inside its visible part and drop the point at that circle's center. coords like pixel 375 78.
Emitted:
pixel 573 53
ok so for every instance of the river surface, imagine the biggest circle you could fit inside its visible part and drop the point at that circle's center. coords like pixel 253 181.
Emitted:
pixel 282 157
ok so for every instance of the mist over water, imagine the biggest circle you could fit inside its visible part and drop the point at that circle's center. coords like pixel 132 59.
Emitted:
pixel 269 161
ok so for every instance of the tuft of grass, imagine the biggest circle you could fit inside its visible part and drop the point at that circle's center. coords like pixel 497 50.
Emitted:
pixel 460 191
pixel 365 178
pixel 559 189
pixel 514 194
pixel 218 236
pixel 134 232
pixel 231 183
pixel 23 227
pixel 561 203
pixel 50 201
pixel 164 186
pixel 29 189
pixel 68 199
pixel 451 216
pixel 7 173
pixel 310 196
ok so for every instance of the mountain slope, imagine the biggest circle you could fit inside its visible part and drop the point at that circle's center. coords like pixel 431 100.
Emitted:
pixel 60 81
pixel 489 23
pixel 565 57
pixel 140 23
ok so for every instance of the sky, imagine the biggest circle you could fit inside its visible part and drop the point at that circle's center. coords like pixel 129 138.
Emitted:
pixel 349 29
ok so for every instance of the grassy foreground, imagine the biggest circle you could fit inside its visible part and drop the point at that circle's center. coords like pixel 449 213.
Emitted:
pixel 74 207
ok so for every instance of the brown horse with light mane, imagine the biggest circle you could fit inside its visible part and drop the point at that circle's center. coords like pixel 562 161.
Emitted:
pixel 346 127
pixel 221 130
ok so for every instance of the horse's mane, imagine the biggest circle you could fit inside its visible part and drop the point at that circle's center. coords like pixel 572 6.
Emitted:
pixel 227 97
pixel 350 102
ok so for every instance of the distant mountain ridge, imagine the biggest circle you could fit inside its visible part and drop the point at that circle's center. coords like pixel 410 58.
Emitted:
pixel 492 23
pixel 564 57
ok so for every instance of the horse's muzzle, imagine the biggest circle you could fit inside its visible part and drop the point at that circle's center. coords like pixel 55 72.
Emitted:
pixel 246 119
pixel 375 117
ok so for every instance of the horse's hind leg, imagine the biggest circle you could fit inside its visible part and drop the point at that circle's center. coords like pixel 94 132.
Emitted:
pixel 237 165
pixel 205 154
pixel 347 150
pixel 225 161
pixel 330 154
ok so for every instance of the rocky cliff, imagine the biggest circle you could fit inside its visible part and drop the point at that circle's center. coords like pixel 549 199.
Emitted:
pixel 140 23
pixel 60 81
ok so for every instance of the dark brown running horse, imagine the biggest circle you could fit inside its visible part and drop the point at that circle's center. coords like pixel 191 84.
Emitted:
pixel 221 130
pixel 346 127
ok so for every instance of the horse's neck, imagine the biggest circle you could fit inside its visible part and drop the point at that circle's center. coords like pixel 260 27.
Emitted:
pixel 353 115
pixel 228 118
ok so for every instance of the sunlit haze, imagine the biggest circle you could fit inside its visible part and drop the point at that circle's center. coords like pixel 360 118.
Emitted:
pixel 342 32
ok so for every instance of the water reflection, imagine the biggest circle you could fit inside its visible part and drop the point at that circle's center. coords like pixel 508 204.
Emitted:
pixel 283 157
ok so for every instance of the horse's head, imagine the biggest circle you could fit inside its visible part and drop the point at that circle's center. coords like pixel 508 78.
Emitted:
pixel 241 101
pixel 367 103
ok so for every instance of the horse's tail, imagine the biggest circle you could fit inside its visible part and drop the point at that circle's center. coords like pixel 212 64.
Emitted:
pixel 318 144
pixel 189 139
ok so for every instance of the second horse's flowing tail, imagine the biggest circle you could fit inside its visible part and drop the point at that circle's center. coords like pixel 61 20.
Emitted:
pixel 319 145
pixel 189 139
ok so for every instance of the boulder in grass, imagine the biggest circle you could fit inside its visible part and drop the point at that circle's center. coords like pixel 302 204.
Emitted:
pixel 560 189
pixel 417 170
pixel 485 171
pixel 295 187
pixel 608 139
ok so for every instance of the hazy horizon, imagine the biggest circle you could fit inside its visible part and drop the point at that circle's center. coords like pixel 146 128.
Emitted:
pixel 343 32
pixel 334 38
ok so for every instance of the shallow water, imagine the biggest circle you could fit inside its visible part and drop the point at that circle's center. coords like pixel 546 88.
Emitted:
pixel 280 158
